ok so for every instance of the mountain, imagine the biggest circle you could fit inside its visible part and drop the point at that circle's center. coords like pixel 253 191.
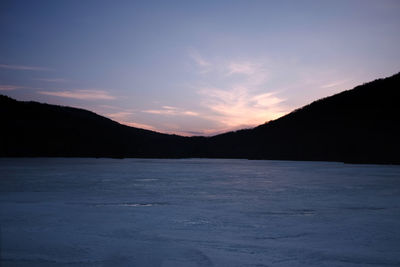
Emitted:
pixel 34 129
pixel 361 125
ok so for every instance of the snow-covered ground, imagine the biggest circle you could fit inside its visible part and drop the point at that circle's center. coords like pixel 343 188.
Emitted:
pixel 198 212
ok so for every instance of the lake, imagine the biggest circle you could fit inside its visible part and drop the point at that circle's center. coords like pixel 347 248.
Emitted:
pixel 197 212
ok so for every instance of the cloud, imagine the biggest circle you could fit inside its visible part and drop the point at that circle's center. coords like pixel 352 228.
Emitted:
pixel 242 68
pixel 253 74
pixel 239 107
pixel 333 84
pixel 171 111
pixel 56 80
pixel 124 117
pixel 86 94
pixel 112 107
pixel 198 59
pixel 242 100
pixel 206 132
pixel 119 115
pixel 22 67
pixel 190 113
pixel 9 87
pixel 169 108
pixel 139 125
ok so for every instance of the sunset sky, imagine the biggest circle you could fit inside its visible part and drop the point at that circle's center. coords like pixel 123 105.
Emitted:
pixel 194 67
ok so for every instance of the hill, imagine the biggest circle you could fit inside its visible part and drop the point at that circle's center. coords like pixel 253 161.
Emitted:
pixel 361 125
pixel 35 129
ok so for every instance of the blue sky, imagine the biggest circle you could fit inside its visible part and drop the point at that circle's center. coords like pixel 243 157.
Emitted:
pixel 194 67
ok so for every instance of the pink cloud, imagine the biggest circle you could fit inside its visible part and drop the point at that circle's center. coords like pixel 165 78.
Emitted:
pixel 139 125
pixel 241 107
pixel 9 87
pixel 173 111
pixel 86 94
pixel 119 115
pixel 56 80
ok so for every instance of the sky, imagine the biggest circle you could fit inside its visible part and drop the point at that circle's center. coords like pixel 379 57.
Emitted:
pixel 194 67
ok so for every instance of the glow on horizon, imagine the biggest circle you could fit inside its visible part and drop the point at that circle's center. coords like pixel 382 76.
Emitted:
pixel 194 68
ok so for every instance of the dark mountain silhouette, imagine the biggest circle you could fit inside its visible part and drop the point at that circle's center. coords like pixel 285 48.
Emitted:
pixel 34 129
pixel 361 125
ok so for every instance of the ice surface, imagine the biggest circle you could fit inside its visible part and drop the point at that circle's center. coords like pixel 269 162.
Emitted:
pixel 198 212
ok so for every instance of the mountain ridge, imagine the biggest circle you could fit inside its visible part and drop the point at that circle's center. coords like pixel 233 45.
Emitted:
pixel 359 125
pixel 368 112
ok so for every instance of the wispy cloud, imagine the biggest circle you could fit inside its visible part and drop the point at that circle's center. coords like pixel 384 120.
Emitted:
pixel 253 74
pixel 244 99
pixel 333 84
pixel 240 107
pixel 113 107
pixel 190 113
pixel 122 115
pixel 9 87
pixel 242 68
pixel 171 111
pixel 86 94
pixel 23 67
pixel 198 59
pixel 139 125
pixel 125 117
pixel 56 80
pixel 207 132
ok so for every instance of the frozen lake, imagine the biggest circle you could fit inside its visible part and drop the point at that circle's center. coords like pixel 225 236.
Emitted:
pixel 198 212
